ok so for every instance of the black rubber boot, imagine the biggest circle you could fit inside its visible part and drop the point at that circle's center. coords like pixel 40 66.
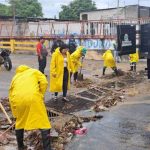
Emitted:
pixel 20 137
pixel 104 69
pixel 46 139
pixel 116 71
pixel 131 67
pixel 134 68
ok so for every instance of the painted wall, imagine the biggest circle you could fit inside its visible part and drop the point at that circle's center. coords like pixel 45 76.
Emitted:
pixel 91 44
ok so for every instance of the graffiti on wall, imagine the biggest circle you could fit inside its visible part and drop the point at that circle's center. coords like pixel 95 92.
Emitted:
pixel 96 44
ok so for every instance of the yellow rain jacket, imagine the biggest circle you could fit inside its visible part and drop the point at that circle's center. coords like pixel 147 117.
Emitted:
pixel 134 57
pixel 109 60
pixel 26 96
pixel 57 68
pixel 75 58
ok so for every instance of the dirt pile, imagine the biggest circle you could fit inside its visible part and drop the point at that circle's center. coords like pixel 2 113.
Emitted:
pixel 83 84
pixel 65 134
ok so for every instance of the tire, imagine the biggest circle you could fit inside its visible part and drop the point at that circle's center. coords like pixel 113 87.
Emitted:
pixel 8 63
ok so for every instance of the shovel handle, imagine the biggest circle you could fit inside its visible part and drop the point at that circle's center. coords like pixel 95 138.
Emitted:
pixel 4 111
pixel 81 64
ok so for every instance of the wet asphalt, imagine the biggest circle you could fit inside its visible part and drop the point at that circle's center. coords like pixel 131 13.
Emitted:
pixel 124 127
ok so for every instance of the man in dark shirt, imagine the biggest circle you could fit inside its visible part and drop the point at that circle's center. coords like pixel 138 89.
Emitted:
pixel 42 54
pixel 57 43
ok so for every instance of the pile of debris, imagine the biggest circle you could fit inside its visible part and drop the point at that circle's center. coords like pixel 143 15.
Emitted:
pixel 83 84
pixel 65 134
pixel 105 103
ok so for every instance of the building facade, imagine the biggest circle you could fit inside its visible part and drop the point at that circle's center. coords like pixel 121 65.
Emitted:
pixel 127 12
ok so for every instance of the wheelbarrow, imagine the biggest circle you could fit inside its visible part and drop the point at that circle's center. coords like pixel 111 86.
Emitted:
pixel 80 75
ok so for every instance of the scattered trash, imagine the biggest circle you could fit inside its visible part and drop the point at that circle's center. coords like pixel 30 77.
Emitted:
pixel 81 131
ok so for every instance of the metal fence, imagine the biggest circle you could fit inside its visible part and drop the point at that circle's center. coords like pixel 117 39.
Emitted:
pixel 23 35
pixel 81 29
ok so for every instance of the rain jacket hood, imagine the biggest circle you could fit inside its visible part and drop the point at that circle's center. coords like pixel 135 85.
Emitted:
pixel 109 59
pixel 22 68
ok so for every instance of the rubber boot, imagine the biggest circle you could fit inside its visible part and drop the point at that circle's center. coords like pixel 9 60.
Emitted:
pixel 46 139
pixel 104 69
pixel 134 68
pixel 131 67
pixel 20 137
pixel 116 71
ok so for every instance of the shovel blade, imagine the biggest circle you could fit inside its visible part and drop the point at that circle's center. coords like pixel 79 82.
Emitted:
pixel 80 77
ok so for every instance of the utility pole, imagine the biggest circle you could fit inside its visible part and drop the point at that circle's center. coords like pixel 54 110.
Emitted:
pixel 118 1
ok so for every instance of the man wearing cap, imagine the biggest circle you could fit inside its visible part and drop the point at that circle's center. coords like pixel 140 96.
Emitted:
pixel 42 54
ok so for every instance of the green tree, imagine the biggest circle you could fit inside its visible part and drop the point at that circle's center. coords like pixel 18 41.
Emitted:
pixel 25 8
pixel 73 10
pixel 4 10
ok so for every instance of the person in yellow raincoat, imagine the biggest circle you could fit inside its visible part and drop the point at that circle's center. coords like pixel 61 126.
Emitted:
pixel 109 61
pixel 133 58
pixel 26 96
pixel 60 68
pixel 75 59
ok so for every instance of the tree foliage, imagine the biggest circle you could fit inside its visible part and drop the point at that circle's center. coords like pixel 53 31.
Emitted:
pixel 23 8
pixel 4 10
pixel 73 10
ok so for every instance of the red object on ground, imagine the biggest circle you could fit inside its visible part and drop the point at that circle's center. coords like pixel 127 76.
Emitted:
pixel 81 131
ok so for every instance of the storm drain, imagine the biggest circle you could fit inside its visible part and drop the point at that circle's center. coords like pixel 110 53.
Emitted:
pixel 52 114
pixel 115 85
pixel 97 92
pixel 94 94
pixel 89 95
pixel 74 105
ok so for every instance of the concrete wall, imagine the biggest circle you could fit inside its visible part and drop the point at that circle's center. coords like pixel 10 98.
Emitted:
pixel 144 12
pixel 105 14
pixel 128 12
pixel 131 12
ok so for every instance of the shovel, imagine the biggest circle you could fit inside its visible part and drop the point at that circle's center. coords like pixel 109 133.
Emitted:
pixel 80 75
pixel 4 111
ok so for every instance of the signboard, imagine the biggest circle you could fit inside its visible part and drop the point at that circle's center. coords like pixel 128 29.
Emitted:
pixel 145 38
pixel 126 38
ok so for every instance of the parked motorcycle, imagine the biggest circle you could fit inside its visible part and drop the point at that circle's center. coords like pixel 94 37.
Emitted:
pixel 5 59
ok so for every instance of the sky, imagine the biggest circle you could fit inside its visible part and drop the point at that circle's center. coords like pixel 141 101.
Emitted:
pixel 52 8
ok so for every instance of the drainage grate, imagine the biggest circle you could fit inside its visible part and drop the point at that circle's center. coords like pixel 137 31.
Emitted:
pixel 52 114
pixel 115 84
pixel 96 91
pixel 87 94
pixel 74 105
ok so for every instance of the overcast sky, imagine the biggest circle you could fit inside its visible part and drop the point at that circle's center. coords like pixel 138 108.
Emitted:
pixel 52 7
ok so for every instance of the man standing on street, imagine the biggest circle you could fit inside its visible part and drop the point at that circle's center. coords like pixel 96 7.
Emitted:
pixel 42 54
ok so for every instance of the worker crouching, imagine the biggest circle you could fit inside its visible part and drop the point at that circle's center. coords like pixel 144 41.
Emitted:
pixel 75 59
pixel 60 68
pixel 26 95
pixel 109 61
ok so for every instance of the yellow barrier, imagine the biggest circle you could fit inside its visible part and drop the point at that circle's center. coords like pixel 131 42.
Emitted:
pixel 14 45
